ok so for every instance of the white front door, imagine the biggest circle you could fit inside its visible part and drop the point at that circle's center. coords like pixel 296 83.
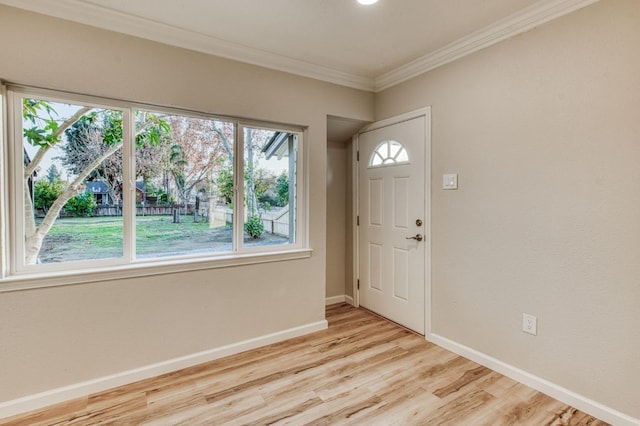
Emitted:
pixel 392 222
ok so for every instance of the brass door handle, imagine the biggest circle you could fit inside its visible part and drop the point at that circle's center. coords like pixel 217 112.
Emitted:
pixel 417 237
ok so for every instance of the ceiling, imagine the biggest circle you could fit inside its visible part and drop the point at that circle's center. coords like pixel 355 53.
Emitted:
pixel 340 41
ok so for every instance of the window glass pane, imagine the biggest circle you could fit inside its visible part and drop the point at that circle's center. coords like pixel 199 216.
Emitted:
pixel 388 153
pixel 394 148
pixel 402 156
pixel 105 183
pixel 269 187
pixel 184 185
pixel 72 172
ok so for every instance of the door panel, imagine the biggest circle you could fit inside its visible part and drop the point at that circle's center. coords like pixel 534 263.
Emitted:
pixel 391 178
pixel 376 201
pixel 401 203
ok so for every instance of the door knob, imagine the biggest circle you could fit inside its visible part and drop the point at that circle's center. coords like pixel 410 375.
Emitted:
pixel 417 237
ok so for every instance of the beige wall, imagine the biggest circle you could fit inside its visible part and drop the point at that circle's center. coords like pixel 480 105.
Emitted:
pixel 336 218
pixel 59 336
pixel 544 131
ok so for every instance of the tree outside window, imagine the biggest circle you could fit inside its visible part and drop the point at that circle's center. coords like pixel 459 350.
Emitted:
pixel 181 194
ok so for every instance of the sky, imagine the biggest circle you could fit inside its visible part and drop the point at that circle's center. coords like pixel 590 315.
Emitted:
pixel 64 111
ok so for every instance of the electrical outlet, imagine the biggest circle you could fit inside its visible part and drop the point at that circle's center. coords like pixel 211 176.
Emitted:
pixel 530 324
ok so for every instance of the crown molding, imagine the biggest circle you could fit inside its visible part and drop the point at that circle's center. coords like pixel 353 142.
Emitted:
pixel 109 19
pixel 112 20
pixel 511 26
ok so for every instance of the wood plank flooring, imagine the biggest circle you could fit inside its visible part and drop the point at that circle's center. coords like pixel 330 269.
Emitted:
pixel 363 370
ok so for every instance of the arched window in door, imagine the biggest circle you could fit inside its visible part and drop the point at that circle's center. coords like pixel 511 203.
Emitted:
pixel 388 153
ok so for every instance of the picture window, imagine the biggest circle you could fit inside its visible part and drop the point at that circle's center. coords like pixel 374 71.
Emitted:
pixel 99 183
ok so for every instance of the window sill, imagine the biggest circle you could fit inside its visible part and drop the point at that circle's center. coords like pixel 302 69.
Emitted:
pixel 57 279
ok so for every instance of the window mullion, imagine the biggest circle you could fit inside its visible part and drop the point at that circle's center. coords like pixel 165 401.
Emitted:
pixel 238 184
pixel 128 185
pixel 299 192
pixel 16 196
pixel 293 160
pixel 3 183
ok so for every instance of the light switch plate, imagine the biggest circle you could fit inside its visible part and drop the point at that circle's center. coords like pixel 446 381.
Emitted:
pixel 450 181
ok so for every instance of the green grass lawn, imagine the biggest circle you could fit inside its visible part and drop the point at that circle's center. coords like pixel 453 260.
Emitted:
pixel 73 239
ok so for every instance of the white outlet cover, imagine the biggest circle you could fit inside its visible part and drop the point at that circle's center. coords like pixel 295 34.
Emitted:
pixel 530 324
pixel 450 181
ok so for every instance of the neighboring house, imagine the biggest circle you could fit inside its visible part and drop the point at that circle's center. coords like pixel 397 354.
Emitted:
pixel 100 191
pixel 141 192
pixel 32 179
pixel 280 146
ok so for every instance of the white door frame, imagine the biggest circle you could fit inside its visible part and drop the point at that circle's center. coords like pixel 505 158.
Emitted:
pixel 422 112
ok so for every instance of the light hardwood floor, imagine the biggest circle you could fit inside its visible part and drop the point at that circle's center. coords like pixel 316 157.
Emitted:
pixel 363 370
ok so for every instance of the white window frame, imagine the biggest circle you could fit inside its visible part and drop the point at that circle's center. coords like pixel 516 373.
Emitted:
pixel 4 187
pixel 239 183
pixel 15 275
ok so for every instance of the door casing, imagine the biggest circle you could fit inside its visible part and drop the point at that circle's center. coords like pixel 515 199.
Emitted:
pixel 422 112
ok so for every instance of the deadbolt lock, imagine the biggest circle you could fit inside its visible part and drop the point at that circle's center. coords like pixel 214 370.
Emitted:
pixel 418 222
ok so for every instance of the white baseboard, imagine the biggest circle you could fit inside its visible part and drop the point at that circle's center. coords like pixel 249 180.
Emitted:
pixel 580 402
pixel 334 299
pixel 343 298
pixel 54 396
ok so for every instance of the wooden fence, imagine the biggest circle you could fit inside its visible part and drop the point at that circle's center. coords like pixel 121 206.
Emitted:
pixel 103 210
pixel 275 223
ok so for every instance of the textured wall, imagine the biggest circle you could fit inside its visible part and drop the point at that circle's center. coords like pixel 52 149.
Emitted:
pixel 544 131
pixel 60 336
pixel 336 218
